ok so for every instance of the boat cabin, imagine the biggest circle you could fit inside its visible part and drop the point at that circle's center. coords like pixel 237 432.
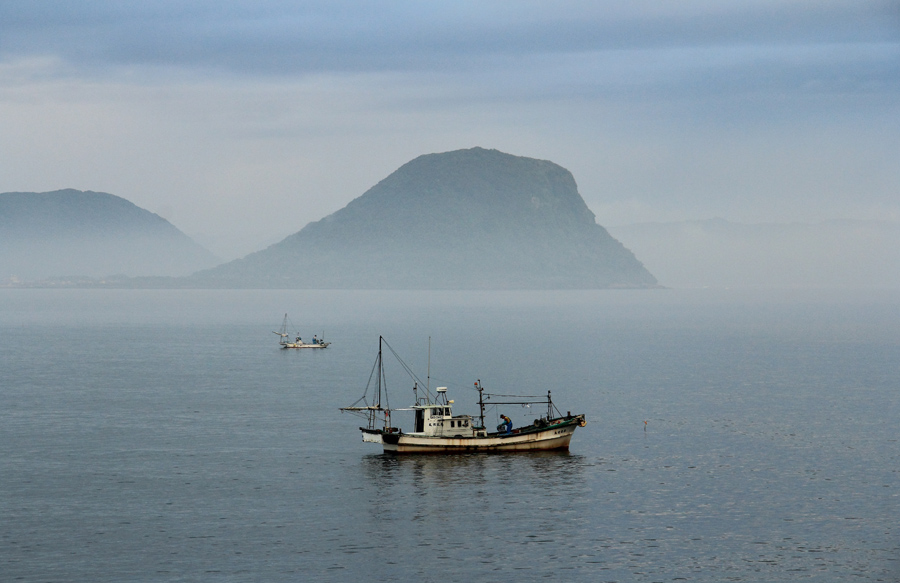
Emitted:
pixel 437 419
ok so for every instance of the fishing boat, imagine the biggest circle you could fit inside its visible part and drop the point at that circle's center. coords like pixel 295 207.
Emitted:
pixel 285 339
pixel 437 430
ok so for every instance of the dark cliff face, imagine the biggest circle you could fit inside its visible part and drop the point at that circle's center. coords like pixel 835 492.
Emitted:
pixel 466 219
pixel 94 234
pixel 477 191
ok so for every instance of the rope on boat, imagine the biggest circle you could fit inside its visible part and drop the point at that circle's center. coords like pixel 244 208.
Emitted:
pixel 368 384
pixel 408 370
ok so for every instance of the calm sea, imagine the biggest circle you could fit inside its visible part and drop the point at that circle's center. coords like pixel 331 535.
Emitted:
pixel 163 436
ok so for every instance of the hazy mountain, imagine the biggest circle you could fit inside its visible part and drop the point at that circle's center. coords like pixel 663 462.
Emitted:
pixel 94 234
pixel 719 253
pixel 466 219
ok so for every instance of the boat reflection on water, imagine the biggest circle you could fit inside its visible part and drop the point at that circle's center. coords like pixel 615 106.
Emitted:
pixel 471 467
pixel 448 491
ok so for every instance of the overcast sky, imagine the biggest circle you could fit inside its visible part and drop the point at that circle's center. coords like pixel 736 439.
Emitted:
pixel 241 121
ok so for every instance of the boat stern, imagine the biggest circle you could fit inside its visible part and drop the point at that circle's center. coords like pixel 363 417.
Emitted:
pixel 371 435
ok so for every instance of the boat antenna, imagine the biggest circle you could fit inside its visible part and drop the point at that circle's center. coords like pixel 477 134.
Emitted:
pixel 428 380
pixel 480 400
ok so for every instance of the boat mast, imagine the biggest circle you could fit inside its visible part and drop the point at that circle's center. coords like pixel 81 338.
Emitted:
pixel 380 373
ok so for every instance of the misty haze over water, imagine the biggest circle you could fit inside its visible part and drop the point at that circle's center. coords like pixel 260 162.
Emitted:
pixel 72 238
pixel 152 435
pixel 717 253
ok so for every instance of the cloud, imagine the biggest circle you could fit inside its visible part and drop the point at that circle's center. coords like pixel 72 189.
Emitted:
pixel 765 53
pixel 280 38
pixel 533 50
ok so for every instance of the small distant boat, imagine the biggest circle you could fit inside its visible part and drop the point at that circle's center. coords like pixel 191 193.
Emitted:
pixel 286 342
pixel 438 430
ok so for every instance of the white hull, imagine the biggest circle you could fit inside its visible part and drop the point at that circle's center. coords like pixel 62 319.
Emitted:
pixel 302 345
pixel 553 437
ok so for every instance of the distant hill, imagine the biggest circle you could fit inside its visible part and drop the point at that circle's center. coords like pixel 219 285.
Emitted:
pixel 94 234
pixel 719 253
pixel 465 219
